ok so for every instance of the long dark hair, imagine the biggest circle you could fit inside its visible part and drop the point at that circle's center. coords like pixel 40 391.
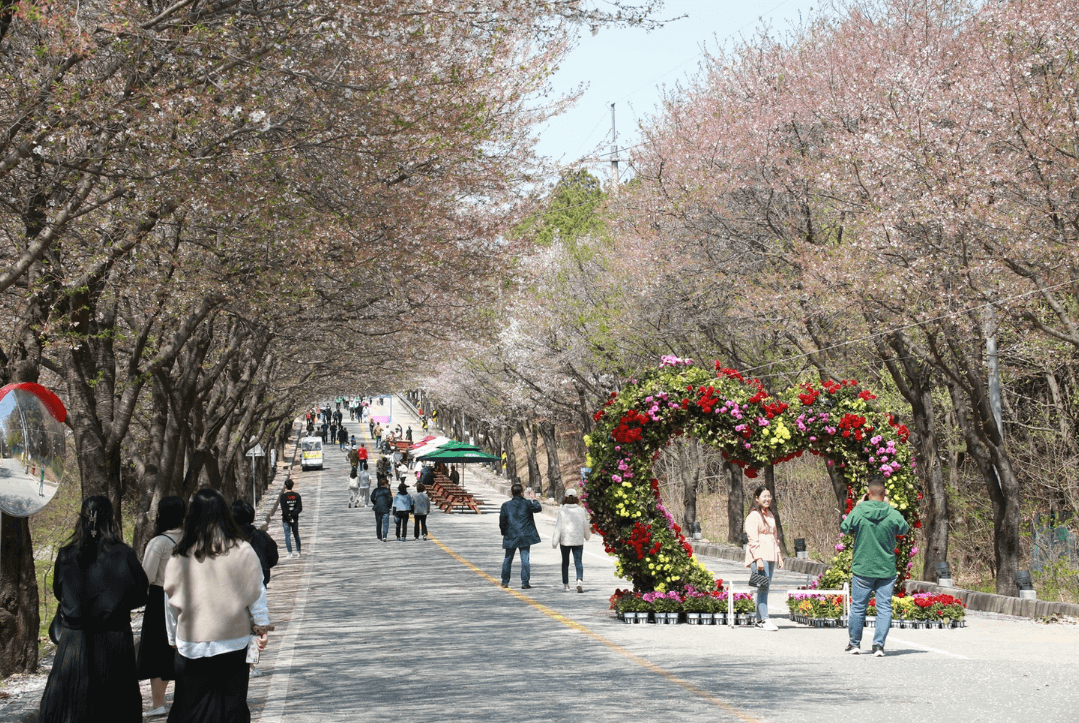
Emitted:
pixel 756 506
pixel 170 514
pixel 209 529
pixel 95 530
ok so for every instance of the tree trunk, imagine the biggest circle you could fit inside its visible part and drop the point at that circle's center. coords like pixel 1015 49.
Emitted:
pixel 534 479
pixel 554 466
pixel 735 504
pixel 19 615
pixel 770 483
pixel 511 454
pixel 985 444
pixel 691 479
pixel 20 619
pixel 914 380
pixel 839 488
pixel 494 440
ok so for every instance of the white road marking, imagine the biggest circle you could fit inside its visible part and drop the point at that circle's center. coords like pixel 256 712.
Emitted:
pixel 278 694
pixel 919 646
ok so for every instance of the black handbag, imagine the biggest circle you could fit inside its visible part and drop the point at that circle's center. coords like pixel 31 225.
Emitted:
pixel 56 629
pixel 758 579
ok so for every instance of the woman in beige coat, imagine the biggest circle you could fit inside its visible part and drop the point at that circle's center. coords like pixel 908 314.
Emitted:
pixel 570 532
pixel 762 549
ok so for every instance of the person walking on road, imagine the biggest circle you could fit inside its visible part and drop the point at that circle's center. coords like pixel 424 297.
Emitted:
pixel 874 524
pixel 215 604
pixel 763 549
pixel 342 437
pixel 421 507
pixel 243 514
pixel 402 506
pixel 353 487
pixel 363 493
pixel 570 532
pixel 97 582
pixel 518 527
pixel 381 503
pixel 378 435
pixel 291 507
pixel 156 658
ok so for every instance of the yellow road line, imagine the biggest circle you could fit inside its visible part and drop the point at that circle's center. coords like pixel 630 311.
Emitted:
pixel 574 625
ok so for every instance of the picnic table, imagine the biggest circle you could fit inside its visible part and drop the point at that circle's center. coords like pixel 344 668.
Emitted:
pixel 448 496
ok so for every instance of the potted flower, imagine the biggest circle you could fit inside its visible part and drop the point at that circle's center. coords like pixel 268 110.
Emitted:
pixel 743 609
pixel 718 607
pixel 903 612
pixel 696 606
pixel 635 609
pixel 667 607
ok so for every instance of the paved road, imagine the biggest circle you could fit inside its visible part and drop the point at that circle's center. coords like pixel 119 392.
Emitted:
pixel 420 631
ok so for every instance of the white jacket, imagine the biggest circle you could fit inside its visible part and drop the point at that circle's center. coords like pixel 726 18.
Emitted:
pixel 570 526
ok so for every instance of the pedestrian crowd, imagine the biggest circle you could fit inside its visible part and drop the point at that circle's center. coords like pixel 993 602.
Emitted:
pixel 202 579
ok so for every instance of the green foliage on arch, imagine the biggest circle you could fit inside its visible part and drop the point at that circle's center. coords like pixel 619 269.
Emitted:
pixel 838 421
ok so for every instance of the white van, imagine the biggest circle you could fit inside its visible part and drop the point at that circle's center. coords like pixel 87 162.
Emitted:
pixel 311 451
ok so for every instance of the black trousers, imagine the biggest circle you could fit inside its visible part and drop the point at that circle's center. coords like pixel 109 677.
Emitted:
pixel 402 523
pixel 421 521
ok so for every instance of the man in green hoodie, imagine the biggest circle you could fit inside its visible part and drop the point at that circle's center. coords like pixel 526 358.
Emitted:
pixel 874 524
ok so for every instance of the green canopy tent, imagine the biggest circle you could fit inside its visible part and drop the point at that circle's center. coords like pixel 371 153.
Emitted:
pixel 459 454
pixel 450 445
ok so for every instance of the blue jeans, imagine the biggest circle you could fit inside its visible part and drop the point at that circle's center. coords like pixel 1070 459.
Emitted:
pixel 577 550
pixel 507 564
pixel 860 590
pixel 762 592
pixel 382 524
pixel 291 528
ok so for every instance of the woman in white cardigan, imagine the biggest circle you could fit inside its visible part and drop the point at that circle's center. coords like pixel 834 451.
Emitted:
pixel 570 532
pixel 215 602
pixel 762 549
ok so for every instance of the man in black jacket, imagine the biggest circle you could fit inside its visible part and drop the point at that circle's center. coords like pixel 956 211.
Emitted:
pixel 244 515
pixel 291 507
pixel 518 532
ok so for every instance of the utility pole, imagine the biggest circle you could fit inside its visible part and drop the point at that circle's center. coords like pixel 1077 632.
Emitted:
pixel 614 153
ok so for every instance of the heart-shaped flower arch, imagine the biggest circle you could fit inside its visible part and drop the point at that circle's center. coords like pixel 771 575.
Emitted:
pixel 835 420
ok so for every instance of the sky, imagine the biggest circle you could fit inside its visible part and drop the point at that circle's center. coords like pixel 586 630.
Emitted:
pixel 630 66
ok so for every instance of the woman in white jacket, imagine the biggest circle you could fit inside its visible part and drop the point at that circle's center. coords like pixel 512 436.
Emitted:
pixel 570 532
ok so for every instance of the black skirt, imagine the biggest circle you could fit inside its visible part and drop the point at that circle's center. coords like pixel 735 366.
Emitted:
pixel 211 690
pixel 93 679
pixel 156 657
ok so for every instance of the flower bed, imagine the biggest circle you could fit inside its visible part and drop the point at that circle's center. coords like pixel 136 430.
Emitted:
pixel 693 606
pixel 835 420
pixel 921 610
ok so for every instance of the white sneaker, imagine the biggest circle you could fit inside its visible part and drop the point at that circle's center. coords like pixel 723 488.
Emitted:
pixel 565 588
pixel 159 711
pixel 768 625
pixel 580 586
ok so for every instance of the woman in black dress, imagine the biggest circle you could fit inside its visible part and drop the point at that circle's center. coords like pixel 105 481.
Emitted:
pixel 156 656
pixel 98 581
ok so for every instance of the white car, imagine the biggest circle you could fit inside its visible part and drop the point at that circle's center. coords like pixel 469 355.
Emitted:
pixel 311 453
